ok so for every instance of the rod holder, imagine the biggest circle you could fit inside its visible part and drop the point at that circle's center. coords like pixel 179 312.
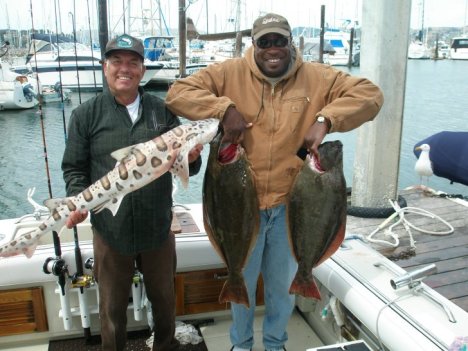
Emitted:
pixel 413 278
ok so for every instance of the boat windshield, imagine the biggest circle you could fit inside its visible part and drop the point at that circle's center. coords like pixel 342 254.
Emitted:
pixel 460 43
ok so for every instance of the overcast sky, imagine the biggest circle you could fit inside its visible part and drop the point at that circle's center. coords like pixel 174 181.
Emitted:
pixel 17 15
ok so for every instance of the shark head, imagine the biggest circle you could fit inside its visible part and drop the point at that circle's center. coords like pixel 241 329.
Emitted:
pixel 189 135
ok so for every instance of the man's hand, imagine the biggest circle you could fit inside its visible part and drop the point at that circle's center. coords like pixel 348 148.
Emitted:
pixel 76 217
pixel 234 126
pixel 314 137
pixel 195 153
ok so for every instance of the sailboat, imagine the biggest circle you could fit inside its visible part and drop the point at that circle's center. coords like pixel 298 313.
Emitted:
pixel 418 46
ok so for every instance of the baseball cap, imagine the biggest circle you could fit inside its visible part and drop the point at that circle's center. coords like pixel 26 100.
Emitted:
pixel 270 23
pixel 125 42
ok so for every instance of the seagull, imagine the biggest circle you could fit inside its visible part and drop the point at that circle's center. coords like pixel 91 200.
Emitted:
pixel 423 166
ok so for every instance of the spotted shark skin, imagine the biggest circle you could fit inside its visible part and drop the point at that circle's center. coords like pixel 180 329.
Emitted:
pixel 137 166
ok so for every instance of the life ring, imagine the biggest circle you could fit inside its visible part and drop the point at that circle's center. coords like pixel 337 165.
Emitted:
pixel 373 212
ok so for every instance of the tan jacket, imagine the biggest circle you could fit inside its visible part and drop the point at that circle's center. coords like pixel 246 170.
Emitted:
pixel 281 114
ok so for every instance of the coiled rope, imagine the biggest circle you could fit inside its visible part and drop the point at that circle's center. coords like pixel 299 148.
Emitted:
pixel 400 212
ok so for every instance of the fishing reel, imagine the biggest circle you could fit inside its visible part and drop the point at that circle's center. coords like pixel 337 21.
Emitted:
pixel 55 266
pixel 59 268
pixel 81 281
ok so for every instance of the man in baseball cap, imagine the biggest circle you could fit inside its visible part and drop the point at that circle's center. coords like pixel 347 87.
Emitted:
pixel 274 104
pixel 138 234
pixel 271 23
pixel 125 42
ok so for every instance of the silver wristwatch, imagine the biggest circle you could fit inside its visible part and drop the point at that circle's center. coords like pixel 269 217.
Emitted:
pixel 321 119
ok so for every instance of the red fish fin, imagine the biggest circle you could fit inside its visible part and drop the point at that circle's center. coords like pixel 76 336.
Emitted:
pixel 305 287
pixel 334 245
pixel 234 291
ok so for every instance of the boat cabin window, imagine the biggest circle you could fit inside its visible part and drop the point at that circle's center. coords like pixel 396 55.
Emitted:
pixel 460 43
pixel 337 43
pixel 77 58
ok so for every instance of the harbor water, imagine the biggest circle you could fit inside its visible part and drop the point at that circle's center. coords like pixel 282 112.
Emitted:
pixel 33 141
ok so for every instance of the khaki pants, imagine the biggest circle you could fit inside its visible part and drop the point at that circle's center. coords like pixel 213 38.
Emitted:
pixel 114 271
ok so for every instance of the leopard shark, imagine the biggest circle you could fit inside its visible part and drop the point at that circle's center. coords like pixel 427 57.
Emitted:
pixel 136 166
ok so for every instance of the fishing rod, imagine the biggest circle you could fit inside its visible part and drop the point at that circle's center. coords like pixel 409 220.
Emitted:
pixel 123 17
pixel 56 266
pixel 41 114
pixel 60 71
pixel 74 45
pixel 82 281
pixel 91 46
pixel 79 279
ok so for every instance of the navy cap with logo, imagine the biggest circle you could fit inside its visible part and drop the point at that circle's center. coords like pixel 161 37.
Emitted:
pixel 125 42
pixel 270 23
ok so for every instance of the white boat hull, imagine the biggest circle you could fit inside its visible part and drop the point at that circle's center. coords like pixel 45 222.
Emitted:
pixel 86 76
pixel 357 278
pixel 12 97
pixel 170 72
pixel 16 91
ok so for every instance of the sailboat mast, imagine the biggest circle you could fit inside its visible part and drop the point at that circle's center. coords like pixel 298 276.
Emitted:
pixel 238 17
pixel 422 22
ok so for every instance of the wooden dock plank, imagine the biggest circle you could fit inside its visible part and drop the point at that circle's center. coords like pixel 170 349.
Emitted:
pixel 448 278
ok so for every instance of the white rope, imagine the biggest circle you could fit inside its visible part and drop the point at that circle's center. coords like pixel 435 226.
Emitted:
pixel 400 212
pixel 377 332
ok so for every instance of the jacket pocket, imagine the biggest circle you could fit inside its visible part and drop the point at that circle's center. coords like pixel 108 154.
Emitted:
pixel 293 113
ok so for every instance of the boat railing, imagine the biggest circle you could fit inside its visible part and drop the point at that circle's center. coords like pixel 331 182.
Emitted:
pixel 39 211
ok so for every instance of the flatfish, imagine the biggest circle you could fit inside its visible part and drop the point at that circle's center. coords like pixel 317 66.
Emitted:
pixel 316 214
pixel 230 213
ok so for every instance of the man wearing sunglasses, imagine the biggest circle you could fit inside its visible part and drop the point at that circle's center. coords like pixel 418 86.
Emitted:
pixel 275 105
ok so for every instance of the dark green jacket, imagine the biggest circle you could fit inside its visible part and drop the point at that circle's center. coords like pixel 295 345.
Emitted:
pixel 96 129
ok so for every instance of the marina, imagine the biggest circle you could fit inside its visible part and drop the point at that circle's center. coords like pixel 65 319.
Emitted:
pixel 399 281
pixel 434 102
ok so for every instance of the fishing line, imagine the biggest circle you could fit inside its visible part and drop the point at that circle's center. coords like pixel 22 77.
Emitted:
pixel 379 314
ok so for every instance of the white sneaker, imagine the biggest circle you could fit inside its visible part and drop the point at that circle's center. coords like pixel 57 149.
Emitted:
pixel 235 348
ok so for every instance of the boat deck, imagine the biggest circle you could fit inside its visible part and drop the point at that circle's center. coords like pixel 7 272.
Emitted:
pixel 448 252
pixel 215 336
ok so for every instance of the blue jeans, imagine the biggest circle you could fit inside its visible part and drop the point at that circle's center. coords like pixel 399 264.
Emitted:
pixel 272 257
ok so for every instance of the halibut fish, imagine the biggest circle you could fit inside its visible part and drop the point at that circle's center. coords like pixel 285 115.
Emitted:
pixel 316 214
pixel 138 165
pixel 230 213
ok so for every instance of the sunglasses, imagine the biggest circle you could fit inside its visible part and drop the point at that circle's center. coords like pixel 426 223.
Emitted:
pixel 279 42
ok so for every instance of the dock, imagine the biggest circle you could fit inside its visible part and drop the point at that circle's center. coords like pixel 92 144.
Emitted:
pixel 449 252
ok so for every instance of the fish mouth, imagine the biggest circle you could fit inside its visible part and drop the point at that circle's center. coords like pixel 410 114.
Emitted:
pixel 228 153
pixel 314 164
